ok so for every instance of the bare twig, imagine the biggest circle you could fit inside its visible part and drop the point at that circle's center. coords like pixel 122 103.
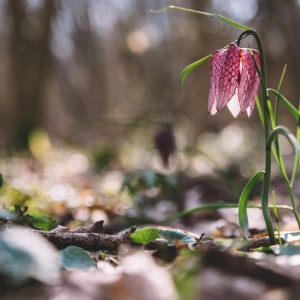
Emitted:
pixel 95 241
pixel 260 242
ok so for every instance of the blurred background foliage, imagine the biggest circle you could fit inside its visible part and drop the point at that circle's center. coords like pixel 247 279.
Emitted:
pixel 86 85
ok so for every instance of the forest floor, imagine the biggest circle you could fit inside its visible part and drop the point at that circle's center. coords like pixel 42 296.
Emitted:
pixel 110 236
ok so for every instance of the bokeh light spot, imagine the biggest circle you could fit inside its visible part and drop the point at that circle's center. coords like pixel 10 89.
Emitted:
pixel 78 163
pixel 137 41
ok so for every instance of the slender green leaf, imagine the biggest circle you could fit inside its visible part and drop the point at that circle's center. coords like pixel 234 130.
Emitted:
pixel 289 105
pixel 243 218
pixel 219 17
pixel 145 236
pixel 285 132
pixel 274 120
pixel 190 67
pixel 218 206
pixel 277 99
pixel 277 154
pixel 260 112
pixel 261 117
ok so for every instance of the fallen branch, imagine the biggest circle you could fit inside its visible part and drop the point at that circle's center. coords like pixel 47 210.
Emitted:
pixel 260 242
pixel 95 241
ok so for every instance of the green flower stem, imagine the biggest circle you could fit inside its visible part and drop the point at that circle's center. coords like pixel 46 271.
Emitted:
pixel 268 157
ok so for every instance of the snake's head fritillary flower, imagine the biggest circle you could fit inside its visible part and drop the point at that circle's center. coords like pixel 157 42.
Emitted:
pixel 165 144
pixel 234 80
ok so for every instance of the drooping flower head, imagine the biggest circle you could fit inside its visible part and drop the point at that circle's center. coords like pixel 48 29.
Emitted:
pixel 233 80
pixel 165 144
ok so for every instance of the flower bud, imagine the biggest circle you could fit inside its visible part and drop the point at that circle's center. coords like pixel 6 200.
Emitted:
pixel 165 144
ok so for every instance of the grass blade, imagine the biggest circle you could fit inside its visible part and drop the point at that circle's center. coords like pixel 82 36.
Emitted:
pixel 218 206
pixel 261 117
pixel 274 124
pixel 219 17
pixel 276 218
pixel 277 99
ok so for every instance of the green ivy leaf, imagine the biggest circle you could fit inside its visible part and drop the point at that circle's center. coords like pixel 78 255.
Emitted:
pixel 291 236
pixel 149 177
pixel 174 235
pixel 25 255
pixel 42 221
pixel 7 215
pixel 169 180
pixel 145 236
pixel 288 250
pixel 76 258
pixel 16 263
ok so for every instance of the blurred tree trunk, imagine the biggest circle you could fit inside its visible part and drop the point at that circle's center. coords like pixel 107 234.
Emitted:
pixel 287 13
pixel 29 46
